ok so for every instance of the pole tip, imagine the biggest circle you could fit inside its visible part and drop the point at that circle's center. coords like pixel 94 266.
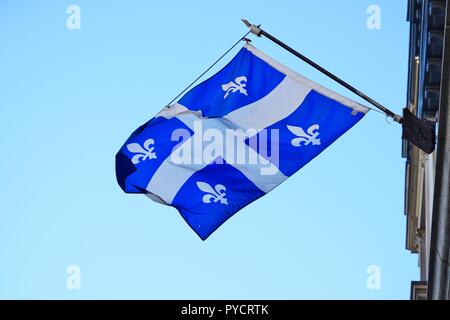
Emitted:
pixel 256 30
pixel 248 24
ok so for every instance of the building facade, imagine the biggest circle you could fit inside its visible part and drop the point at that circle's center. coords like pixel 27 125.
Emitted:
pixel 427 24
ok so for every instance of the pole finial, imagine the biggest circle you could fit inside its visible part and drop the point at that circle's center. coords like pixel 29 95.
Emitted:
pixel 248 24
pixel 256 30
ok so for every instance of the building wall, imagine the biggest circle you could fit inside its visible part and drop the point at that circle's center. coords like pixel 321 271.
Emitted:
pixel 427 19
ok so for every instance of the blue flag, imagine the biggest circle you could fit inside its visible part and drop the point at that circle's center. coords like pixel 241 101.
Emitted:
pixel 232 139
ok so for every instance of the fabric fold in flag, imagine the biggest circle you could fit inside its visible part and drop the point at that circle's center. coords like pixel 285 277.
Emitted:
pixel 232 139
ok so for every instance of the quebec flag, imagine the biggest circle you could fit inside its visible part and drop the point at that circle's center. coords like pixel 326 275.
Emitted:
pixel 232 139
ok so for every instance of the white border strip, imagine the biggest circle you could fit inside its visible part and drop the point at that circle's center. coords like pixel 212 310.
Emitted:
pixel 306 82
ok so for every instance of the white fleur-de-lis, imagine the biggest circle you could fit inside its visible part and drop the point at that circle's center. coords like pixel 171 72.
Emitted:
pixel 238 85
pixel 216 194
pixel 305 137
pixel 142 153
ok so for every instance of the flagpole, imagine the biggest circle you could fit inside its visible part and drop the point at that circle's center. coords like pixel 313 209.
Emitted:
pixel 256 30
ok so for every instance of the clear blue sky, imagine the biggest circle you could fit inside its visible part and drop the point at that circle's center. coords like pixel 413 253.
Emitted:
pixel 70 98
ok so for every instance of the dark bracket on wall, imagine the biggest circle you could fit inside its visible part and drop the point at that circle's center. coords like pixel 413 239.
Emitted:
pixel 419 132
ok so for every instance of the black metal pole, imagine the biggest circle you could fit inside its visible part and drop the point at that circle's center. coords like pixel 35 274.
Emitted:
pixel 259 32
pixel 439 268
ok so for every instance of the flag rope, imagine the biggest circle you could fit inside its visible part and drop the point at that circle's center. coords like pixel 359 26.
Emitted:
pixel 209 68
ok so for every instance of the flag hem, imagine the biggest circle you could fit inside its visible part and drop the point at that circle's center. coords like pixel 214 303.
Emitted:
pixel 306 82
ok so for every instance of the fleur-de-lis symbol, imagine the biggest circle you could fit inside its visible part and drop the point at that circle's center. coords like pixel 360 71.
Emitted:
pixel 142 153
pixel 238 85
pixel 305 137
pixel 216 194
